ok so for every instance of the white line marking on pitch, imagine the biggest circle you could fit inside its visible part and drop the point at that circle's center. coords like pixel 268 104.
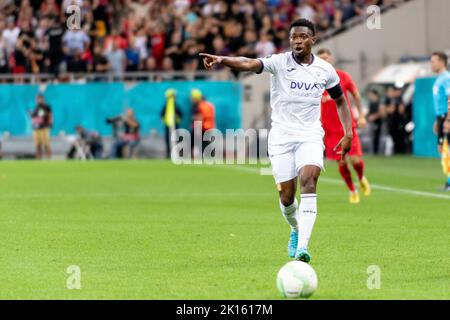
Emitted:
pixel 69 195
pixel 266 171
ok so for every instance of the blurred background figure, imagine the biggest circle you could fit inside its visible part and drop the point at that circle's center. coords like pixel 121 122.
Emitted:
pixel 334 131
pixel 396 118
pixel 126 130
pixel 375 118
pixel 54 37
pixel 131 134
pixel 117 60
pixel 42 120
pixel 203 112
pixel 441 96
pixel 171 116
pixel 87 145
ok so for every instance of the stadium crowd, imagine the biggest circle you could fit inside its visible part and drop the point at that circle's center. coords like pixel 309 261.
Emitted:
pixel 151 35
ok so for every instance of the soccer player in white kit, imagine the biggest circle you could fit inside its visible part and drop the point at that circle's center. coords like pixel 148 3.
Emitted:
pixel 295 144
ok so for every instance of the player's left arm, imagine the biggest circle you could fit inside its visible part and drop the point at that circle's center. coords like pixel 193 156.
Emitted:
pixel 357 98
pixel 334 89
pixel 345 117
pixel 353 89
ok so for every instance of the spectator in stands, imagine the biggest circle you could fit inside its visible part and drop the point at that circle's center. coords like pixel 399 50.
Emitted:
pixel 37 58
pixel 75 41
pixel 132 56
pixel 115 37
pixel 157 41
pixel 141 8
pixel 248 50
pixel 175 50
pixel 347 10
pixel 54 36
pixel 42 121
pixel 322 18
pixel 375 117
pixel 20 56
pixel 306 10
pixel 159 29
pixel 77 64
pixel 26 34
pixel 264 47
pixel 11 34
pixel 4 66
pixel 140 43
pixel 100 63
pixel 151 64
pixel 117 59
pixel 49 7
pixel 191 61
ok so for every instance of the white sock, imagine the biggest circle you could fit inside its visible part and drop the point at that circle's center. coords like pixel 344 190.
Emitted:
pixel 307 217
pixel 290 214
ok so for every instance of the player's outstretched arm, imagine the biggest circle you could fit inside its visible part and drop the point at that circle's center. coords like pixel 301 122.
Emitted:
pixel 362 122
pixel 346 121
pixel 235 63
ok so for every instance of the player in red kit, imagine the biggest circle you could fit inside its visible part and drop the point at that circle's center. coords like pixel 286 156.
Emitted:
pixel 333 133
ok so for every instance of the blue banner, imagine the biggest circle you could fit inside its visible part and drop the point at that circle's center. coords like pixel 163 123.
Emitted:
pixel 91 104
pixel 425 141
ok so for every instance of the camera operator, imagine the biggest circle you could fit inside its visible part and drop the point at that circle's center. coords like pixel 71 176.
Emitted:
pixel 126 134
pixel 89 143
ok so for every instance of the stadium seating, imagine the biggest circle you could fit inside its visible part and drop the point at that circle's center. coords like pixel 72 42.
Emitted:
pixel 159 35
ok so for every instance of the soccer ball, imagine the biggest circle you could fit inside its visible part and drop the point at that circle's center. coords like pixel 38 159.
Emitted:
pixel 296 279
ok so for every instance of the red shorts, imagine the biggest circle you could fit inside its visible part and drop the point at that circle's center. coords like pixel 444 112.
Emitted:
pixel 333 138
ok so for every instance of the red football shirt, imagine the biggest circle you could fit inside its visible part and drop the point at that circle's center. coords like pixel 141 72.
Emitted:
pixel 330 117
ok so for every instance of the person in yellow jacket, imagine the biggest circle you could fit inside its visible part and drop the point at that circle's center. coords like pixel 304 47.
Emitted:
pixel 446 147
pixel 171 117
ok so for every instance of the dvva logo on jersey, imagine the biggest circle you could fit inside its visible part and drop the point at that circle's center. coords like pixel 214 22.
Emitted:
pixel 306 86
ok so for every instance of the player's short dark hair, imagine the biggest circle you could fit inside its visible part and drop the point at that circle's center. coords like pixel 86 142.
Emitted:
pixel 324 51
pixel 303 23
pixel 442 56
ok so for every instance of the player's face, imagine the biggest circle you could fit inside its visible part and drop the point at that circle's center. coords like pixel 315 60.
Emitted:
pixel 301 41
pixel 436 64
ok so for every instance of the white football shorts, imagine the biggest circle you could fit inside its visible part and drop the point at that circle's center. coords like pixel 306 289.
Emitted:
pixel 289 153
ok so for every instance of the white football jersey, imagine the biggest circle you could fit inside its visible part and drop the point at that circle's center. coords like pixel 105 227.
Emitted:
pixel 296 92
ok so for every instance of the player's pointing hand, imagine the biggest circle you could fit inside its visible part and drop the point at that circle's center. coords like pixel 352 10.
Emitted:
pixel 210 60
pixel 345 144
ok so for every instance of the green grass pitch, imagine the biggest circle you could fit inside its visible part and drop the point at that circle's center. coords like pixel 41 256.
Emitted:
pixel 154 230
